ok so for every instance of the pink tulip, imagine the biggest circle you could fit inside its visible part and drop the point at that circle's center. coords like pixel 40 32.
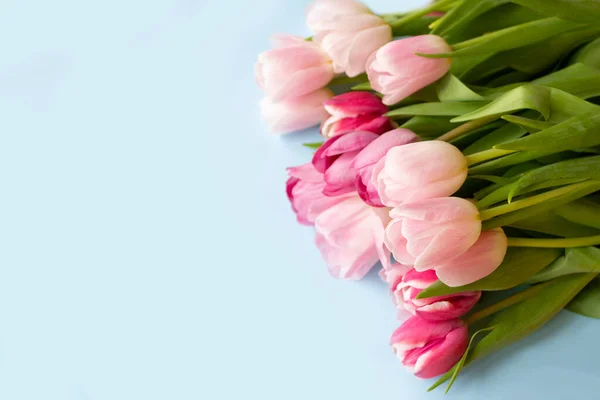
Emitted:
pixel 397 72
pixel 350 237
pixel 305 191
pixel 348 31
pixel 419 171
pixel 429 232
pixel 477 262
pixel 406 287
pixel 297 113
pixel 430 348
pixel 295 67
pixel 355 111
pixel 334 159
pixel 365 161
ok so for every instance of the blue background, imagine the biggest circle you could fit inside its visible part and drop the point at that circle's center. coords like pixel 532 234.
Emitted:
pixel 147 250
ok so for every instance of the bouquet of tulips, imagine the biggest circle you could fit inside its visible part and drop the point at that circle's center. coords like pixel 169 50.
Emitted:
pixel 461 151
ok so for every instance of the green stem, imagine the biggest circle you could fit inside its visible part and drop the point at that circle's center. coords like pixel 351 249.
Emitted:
pixel 533 200
pixel 501 305
pixel 466 128
pixel 437 6
pixel 487 155
pixel 555 243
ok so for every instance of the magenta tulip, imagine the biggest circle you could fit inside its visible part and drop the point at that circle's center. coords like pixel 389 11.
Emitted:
pixel 430 232
pixel 419 171
pixel 334 159
pixel 348 31
pixel 365 162
pixel 355 111
pixel 350 237
pixel 305 191
pixel 295 67
pixel 397 72
pixel 407 285
pixel 430 348
pixel 296 113
pixel 477 262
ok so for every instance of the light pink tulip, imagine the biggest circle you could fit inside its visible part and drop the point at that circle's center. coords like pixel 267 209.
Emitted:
pixel 305 191
pixel 355 111
pixel 334 159
pixel 397 72
pixel 430 348
pixel 295 67
pixel 365 162
pixel 477 262
pixel 419 171
pixel 429 232
pixel 407 285
pixel 350 237
pixel 348 31
pixel 297 113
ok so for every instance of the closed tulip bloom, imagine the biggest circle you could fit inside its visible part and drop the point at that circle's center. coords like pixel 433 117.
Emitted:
pixel 365 162
pixel 350 237
pixel 477 262
pixel 295 67
pixel 429 232
pixel 348 31
pixel 355 111
pixel 419 171
pixel 297 113
pixel 430 348
pixel 397 72
pixel 304 189
pixel 406 287
pixel 334 159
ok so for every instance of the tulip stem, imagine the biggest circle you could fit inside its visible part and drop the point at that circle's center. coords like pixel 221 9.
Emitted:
pixel 501 305
pixel 466 128
pixel 441 5
pixel 486 155
pixel 555 243
pixel 533 200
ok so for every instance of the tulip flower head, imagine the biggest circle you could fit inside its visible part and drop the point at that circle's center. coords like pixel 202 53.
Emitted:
pixel 397 72
pixel 348 31
pixel 430 348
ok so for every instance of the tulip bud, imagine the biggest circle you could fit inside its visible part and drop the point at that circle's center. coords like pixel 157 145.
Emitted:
pixel 430 348
pixel 295 67
pixel 407 286
pixel 348 31
pixel 296 113
pixel 334 159
pixel 397 72
pixel 355 111
pixel 430 232
pixel 418 171
pixel 365 162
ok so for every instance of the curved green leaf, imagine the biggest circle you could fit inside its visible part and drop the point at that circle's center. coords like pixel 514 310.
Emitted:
pixel 466 11
pixel 552 224
pixel 583 212
pixel 587 302
pixel 575 260
pixel 587 11
pixel 429 126
pixel 450 108
pixel 450 88
pixel 530 125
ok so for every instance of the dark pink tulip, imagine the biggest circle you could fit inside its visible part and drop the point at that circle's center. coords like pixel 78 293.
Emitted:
pixel 430 348
pixel 365 161
pixel 334 159
pixel 355 111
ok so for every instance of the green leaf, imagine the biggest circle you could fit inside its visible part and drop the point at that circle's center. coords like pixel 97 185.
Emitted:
pixel 505 39
pixel 450 88
pixel 587 302
pixel 519 265
pixel 416 27
pixel 451 108
pixel 587 11
pixel 583 212
pixel 528 96
pixel 504 134
pixel 507 161
pixel 588 55
pixel 466 11
pixel 576 132
pixel 564 105
pixel 314 145
pixel 530 125
pixel 575 260
pixel 578 79
pixel 550 223
pixel 429 126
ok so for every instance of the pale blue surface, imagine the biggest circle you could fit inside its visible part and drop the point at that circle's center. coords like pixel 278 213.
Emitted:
pixel 147 247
